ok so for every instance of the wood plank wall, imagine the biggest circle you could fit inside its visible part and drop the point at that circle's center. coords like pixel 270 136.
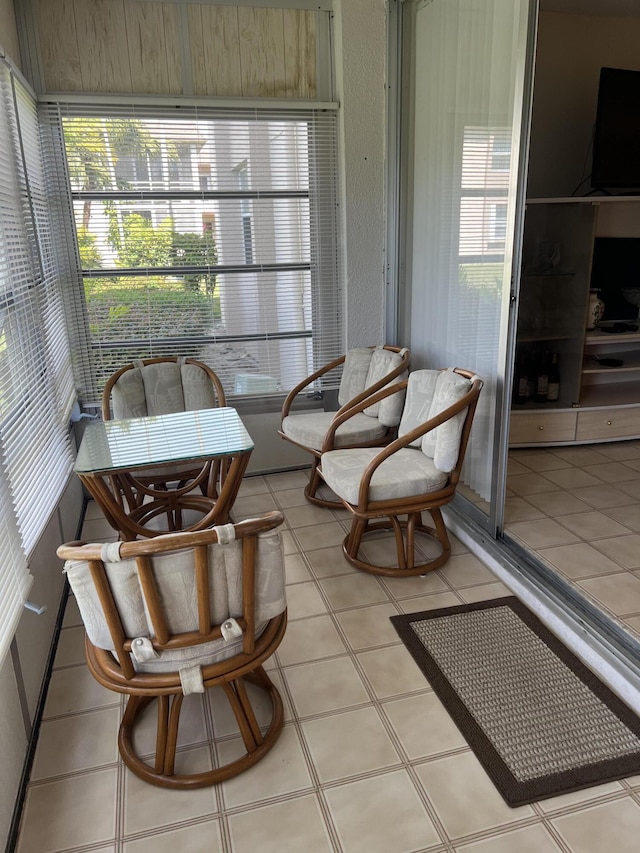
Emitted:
pixel 133 47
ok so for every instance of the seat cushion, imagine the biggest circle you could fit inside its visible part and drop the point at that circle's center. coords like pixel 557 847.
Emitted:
pixel 406 473
pixel 309 429
pixel 175 579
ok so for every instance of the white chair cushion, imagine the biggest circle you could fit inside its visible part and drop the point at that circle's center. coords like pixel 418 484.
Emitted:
pixel 354 374
pixel 160 389
pixel 309 429
pixel 420 390
pixel 443 443
pixel 175 577
pixel 406 473
pixel 389 410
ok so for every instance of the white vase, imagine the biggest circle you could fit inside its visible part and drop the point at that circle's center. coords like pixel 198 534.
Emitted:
pixel 595 310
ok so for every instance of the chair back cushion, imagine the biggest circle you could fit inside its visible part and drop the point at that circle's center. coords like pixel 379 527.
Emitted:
pixel 430 392
pixel 389 410
pixel 160 389
pixel 175 578
pixel 354 374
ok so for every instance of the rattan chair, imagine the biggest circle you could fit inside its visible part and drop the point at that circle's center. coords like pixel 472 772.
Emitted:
pixel 365 371
pixel 179 614
pixel 161 386
pixel 418 472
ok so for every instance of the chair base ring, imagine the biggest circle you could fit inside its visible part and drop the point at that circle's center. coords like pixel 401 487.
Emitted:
pixel 254 752
pixel 400 528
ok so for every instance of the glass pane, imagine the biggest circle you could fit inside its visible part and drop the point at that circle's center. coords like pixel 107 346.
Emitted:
pixel 464 62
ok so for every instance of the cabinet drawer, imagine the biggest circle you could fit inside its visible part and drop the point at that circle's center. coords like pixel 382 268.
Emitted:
pixel 542 427
pixel 608 423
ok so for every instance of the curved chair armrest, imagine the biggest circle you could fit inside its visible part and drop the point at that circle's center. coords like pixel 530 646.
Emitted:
pixel 469 399
pixel 286 406
pixel 352 408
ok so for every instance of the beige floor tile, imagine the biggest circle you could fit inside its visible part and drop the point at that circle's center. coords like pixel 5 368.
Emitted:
pixel 620 593
pixel 328 562
pixel 194 838
pixel 310 639
pixel 307 515
pixel 289 545
pixel 256 485
pixel 579 561
pixel 98 530
pixel 620 451
pixel 303 599
pixel 353 590
pixel 93 510
pixel 623 549
pixel 627 515
pixel 580 456
pixel 612 472
pixel 69 813
pixel 540 460
pixel 280 827
pixel 283 770
pixel 484 592
pixel 320 536
pixel 288 480
pixel 530 839
pixel 192 728
pixel 348 744
pixel 575 798
pixel 369 627
pixel 224 721
pixel 608 827
pixel 325 686
pixel 75 689
pixel 291 497
pixel 517 509
pixel 295 569
pixel 557 503
pixel 430 602
pixel 402 823
pixel 147 807
pixel 253 505
pixel 529 484
pixel 70 651
pixel 465 798
pixel 466 570
pixel 592 525
pixel 572 478
pixel 514 466
pixel 77 742
pixel 423 726
pixel 542 533
pixel 392 671
pixel 415 585
pixel 631 488
pixel 603 497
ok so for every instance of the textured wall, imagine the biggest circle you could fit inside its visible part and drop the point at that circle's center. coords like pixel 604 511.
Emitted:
pixel 361 67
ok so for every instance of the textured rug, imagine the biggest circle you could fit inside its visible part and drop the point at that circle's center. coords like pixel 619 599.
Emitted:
pixel 538 720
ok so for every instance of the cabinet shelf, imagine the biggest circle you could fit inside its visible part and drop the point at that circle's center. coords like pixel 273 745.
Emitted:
pixel 630 363
pixel 598 337
pixel 610 394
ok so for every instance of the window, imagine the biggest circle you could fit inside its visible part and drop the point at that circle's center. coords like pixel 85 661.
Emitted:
pixel 501 153
pixel 237 266
pixel 36 391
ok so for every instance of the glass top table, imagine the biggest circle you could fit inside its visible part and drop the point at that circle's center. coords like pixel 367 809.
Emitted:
pixel 143 470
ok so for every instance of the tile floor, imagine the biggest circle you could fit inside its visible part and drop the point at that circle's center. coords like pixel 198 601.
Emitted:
pixel 368 759
pixel 578 509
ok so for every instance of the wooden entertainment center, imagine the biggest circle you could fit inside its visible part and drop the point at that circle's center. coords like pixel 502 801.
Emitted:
pixel 596 402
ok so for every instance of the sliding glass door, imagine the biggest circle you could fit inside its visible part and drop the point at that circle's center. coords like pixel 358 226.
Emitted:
pixel 466 68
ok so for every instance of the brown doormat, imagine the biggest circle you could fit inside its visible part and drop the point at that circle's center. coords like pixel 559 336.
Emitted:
pixel 538 720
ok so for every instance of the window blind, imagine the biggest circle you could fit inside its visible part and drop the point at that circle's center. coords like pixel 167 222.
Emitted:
pixel 204 232
pixel 35 377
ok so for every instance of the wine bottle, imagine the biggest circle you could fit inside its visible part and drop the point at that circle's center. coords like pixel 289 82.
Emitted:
pixel 553 387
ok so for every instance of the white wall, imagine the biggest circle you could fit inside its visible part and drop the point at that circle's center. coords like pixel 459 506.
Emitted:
pixel 361 51
pixel 571 51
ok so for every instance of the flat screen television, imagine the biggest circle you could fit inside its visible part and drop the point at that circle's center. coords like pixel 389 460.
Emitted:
pixel 616 141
